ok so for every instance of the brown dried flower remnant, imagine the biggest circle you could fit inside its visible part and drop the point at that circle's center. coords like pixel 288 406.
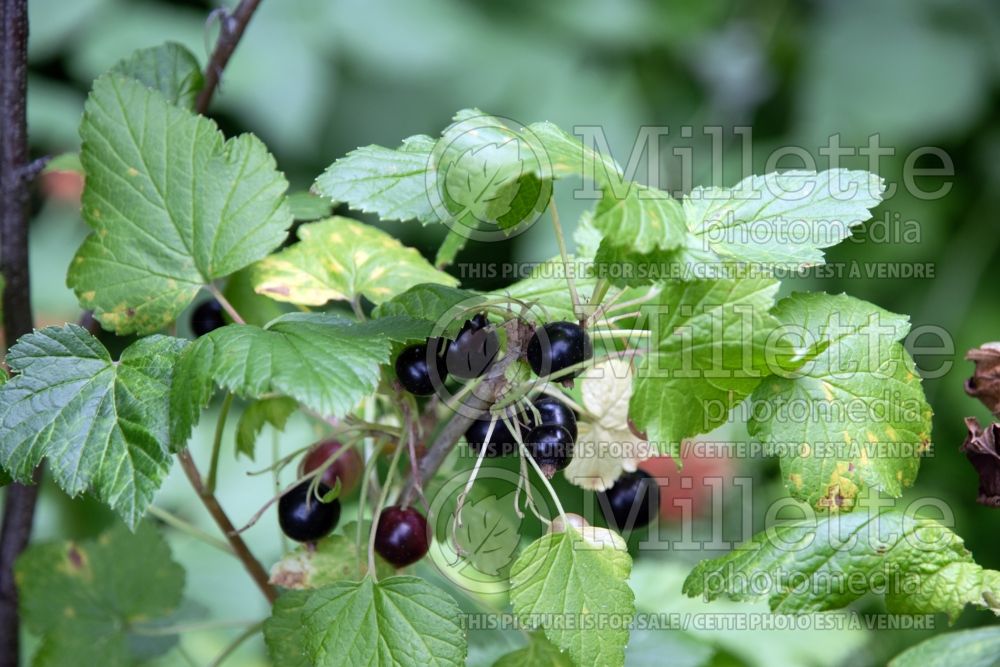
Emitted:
pixel 985 381
pixel 980 447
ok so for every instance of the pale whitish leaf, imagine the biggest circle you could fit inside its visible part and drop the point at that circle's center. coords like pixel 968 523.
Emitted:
pixel 397 621
pixel 968 648
pixel 605 446
pixel 274 411
pixel 539 651
pixel 829 563
pixel 172 204
pixel 562 575
pixel 441 304
pixel 866 421
pixel 325 362
pixel 332 559
pixel 782 218
pixel 341 259
pixel 102 425
pixel 706 354
pixel 169 68
pixel 85 598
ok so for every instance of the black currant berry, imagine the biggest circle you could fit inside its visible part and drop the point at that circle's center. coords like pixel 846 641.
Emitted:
pixel 552 411
pixel 551 446
pixel 414 369
pixel 401 535
pixel 206 318
pixel 474 349
pixel 501 443
pixel 303 517
pixel 559 345
pixel 632 502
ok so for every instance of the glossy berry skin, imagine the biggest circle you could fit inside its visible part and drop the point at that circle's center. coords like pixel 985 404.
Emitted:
pixel 347 468
pixel 557 346
pixel 415 373
pixel 632 502
pixel 502 442
pixel 206 318
pixel 401 536
pixel 551 446
pixel 303 517
pixel 552 411
pixel 474 349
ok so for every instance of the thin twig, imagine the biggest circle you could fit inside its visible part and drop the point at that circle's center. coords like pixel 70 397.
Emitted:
pixel 252 565
pixel 236 643
pixel 231 30
pixel 561 241
pixel 220 428
pixel 180 524
pixel 224 302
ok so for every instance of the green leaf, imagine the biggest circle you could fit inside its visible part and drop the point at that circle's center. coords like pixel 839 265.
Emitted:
pixel 169 68
pixel 488 535
pixel 969 648
pixel 453 243
pixel 101 424
pixel 644 220
pixel 172 204
pixel 64 162
pixel 399 620
pixel 817 565
pixel 284 633
pixel 707 353
pixel 546 290
pixel 274 411
pixel 866 420
pixel 332 559
pixel 567 156
pixel 782 218
pixel 253 308
pixel 325 362
pixel 434 303
pixel 306 206
pixel 87 599
pixel 562 575
pixel 341 259
pixel 539 651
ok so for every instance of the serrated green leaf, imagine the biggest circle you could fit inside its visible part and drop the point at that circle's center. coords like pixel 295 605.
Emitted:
pixel 784 218
pixel 968 648
pixel 172 204
pixel 434 303
pixel 547 291
pixel 274 411
pixel 643 220
pixel 539 651
pixel 809 566
pixel 284 633
pixel 169 68
pixel 332 559
pixel 488 535
pixel 101 424
pixel 306 206
pixel 398 621
pixel 340 259
pixel 561 575
pixel 707 353
pixel 567 156
pixel 866 421
pixel 86 599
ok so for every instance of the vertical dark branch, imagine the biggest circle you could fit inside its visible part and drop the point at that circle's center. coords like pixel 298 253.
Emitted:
pixel 233 25
pixel 15 176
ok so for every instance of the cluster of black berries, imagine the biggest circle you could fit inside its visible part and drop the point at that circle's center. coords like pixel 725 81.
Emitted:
pixel 421 368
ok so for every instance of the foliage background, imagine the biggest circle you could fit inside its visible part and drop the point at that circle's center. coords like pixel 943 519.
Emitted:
pixel 316 78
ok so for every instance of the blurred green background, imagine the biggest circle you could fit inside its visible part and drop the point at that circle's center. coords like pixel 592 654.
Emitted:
pixel 316 78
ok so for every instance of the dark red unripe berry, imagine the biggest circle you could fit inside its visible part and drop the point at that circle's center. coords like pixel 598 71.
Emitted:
pixel 347 468
pixel 303 517
pixel 551 446
pixel 401 535
pixel 206 318
pixel 558 345
pixel 552 411
pixel 422 368
pixel 501 442
pixel 474 349
pixel 632 502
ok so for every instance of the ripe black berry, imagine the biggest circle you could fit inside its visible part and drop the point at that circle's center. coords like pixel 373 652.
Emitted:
pixel 632 502
pixel 474 349
pixel 551 446
pixel 552 411
pixel 401 535
pixel 501 443
pixel 559 345
pixel 303 517
pixel 347 468
pixel 206 318
pixel 420 368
